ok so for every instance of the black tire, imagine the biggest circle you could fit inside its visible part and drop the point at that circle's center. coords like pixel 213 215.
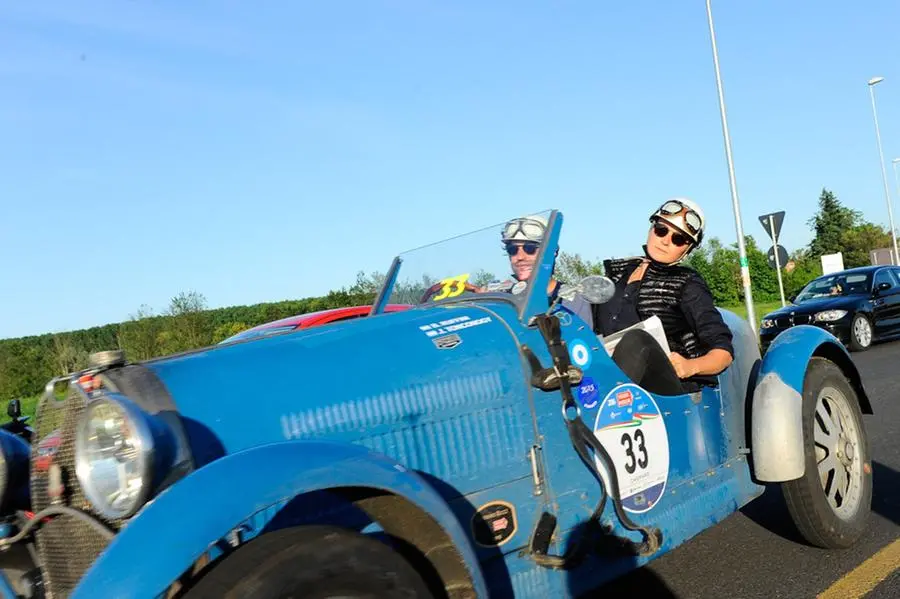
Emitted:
pixel 855 343
pixel 813 515
pixel 312 562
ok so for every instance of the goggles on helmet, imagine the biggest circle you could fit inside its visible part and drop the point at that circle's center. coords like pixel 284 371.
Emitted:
pixel 690 217
pixel 524 229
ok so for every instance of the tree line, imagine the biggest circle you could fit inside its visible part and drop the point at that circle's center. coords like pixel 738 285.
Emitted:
pixel 27 363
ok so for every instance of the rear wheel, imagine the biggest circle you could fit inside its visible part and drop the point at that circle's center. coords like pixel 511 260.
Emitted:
pixel 831 502
pixel 861 333
pixel 312 562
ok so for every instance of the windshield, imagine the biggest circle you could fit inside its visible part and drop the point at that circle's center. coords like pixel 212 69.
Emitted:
pixel 835 286
pixel 495 260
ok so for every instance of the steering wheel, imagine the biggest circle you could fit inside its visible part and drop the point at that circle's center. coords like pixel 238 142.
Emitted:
pixel 441 284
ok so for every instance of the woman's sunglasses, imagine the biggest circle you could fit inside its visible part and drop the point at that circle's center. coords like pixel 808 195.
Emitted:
pixel 530 248
pixel 678 239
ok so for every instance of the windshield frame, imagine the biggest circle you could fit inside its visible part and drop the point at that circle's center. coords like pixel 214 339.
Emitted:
pixel 532 303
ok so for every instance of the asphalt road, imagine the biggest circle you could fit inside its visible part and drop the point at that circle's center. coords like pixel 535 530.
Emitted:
pixel 757 553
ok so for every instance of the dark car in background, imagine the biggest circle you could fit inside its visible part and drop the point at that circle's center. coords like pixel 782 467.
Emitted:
pixel 857 305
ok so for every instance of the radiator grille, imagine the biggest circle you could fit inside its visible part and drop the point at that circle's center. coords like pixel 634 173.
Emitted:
pixel 67 546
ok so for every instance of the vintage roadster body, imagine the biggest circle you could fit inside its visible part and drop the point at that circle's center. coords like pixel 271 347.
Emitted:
pixel 481 444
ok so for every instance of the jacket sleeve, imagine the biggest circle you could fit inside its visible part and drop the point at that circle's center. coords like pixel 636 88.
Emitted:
pixel 703 317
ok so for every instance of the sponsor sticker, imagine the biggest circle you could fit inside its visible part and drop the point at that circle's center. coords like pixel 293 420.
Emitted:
pixel 494 524
pixel 624 398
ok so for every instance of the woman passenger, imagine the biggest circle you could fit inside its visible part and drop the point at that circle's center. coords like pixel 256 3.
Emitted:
pixel 658 285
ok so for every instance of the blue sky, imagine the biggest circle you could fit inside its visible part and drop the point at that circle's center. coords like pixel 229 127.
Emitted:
pixel 243 149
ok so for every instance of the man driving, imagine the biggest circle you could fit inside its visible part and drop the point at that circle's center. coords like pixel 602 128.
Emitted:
pixel 522 238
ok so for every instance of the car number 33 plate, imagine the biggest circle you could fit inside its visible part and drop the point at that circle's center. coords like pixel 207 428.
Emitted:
pixel 631 428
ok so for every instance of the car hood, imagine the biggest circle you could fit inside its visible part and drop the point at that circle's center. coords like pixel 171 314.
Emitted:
pixel 351 381
pixel 818 305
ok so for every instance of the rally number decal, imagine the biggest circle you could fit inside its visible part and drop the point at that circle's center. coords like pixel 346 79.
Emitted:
pixel 631 428
pixel 452 286
pixel 634 462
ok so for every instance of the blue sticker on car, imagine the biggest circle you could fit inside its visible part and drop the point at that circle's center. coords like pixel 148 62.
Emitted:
pixel 588 392
pixel 580 354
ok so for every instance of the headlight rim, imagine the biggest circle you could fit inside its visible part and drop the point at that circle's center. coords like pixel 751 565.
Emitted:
pixel 136 418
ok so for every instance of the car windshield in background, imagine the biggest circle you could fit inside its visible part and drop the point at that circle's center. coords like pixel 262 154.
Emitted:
pixel 494 260
pixel 835 286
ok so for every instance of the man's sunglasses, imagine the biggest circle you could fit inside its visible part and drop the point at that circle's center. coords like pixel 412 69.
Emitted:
pixel 530 248
pixel 678 239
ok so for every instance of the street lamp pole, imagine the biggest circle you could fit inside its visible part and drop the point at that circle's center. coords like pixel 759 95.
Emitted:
pixel 736 204
pixel 897 180
pixel 887 192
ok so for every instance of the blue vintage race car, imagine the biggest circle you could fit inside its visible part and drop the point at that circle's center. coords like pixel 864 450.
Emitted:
pixel 481 444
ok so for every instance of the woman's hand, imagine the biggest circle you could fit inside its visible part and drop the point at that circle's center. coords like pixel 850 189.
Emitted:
pixel 684 367
pixel 713 362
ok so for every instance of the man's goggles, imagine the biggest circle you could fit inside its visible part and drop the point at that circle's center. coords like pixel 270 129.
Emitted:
pixel 524 229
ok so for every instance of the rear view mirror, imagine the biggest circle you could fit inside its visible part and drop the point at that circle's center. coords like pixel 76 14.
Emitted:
pixel 883 286
pixel 14 409
pixel 596 289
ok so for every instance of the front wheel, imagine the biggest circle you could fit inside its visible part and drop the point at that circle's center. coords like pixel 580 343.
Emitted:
pixel 315 562
pixel 831 502
pixel 860 333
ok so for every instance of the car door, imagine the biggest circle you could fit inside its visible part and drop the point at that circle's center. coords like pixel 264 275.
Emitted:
pixel 885 302
pixel 893 300
pixel 656 443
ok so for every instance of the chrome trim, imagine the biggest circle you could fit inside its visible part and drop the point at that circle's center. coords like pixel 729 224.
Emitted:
pixel 535 474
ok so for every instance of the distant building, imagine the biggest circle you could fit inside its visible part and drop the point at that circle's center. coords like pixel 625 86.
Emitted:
pixel 882 256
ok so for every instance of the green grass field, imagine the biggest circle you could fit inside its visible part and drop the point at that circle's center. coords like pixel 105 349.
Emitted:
pixel 761 309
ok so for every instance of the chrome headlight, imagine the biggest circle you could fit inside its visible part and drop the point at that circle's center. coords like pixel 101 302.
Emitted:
pixel 768 323
pixel 830 315
pixel 114 456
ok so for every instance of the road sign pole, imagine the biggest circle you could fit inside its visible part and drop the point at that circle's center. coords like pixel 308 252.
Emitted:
pixel 777 261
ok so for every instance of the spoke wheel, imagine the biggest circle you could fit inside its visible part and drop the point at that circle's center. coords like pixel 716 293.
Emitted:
pixel 837 446
pixel 830 504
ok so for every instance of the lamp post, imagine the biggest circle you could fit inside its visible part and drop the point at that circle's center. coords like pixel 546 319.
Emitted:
pixel 735 202
pixel 887 192
pixel 897 180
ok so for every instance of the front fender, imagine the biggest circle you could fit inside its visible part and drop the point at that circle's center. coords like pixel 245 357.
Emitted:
pixel 777 408
pixel 214 499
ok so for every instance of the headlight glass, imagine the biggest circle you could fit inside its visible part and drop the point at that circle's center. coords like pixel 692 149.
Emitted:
pixel 830 315
pixel 113 452
pixel 768 323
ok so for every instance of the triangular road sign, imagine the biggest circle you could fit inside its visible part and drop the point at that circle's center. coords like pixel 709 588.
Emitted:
pixel 777 220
